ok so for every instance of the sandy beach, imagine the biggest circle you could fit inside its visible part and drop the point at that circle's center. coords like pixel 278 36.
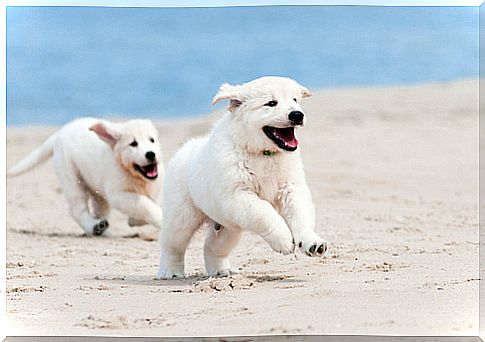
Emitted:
pixel 394 176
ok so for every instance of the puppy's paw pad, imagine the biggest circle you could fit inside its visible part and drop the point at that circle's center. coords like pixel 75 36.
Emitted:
pixel 322 248
pixel 100 227
pixel 314 248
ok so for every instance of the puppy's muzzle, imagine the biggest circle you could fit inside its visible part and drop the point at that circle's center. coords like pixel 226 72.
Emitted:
pixel 296 117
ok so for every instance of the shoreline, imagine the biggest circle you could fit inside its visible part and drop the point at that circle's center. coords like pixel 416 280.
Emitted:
pixel 219 109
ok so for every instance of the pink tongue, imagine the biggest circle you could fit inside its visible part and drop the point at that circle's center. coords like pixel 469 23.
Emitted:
pixel 288 136
pixel 153 172
pixel 292 143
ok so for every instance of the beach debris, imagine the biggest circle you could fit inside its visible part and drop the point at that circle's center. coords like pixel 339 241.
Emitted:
pixel 21 289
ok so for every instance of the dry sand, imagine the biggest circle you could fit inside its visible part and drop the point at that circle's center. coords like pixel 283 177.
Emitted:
pixel 394 175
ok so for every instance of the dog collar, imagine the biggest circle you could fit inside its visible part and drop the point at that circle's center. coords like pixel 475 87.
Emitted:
pixel 269 153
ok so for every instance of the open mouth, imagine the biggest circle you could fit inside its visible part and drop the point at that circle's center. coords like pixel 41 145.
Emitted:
pixel 283 137
pixel 148 171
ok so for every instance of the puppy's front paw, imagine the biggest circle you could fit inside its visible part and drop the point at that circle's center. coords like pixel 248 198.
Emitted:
pixel 100 227
pixel 226 272
pixel 282 242
pixel 313 245
pixel 167 274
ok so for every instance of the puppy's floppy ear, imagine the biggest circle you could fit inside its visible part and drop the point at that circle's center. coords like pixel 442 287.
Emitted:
pixel 231 93
pixel 106 132
pixel 305 92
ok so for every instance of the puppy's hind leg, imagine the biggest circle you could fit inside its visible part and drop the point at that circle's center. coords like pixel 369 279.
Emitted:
pixel 218 244
pixel 101 207
pixel 76 195
pixel 100 210
pixel 179 224
pixel 78 208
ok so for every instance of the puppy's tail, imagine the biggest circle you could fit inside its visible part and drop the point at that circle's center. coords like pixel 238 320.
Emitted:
pixel 36 157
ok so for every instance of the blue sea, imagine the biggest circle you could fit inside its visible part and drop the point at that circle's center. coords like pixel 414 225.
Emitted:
pixel 66 62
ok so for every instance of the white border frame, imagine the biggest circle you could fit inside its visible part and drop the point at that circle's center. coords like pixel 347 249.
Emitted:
pixel 147 3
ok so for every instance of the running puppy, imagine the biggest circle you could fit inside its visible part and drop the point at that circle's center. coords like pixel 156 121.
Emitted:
pixel 245 175
pixel 110 164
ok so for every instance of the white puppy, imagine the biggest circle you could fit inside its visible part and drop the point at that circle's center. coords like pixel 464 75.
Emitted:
pixel 110 164
pixel 245 175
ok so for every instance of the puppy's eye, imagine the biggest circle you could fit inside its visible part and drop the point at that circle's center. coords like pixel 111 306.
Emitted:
pixel 294 99
pixel 271 103
pixel 152 140
pixel 134 143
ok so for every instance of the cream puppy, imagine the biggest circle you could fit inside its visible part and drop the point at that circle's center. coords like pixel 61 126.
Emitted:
pixel 111 165
pixel 245 175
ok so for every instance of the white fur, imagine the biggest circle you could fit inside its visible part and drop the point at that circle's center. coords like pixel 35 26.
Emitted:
pixel 94 162
pixel 225 178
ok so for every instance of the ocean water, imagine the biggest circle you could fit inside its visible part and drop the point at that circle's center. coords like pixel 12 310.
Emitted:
pixel 63 63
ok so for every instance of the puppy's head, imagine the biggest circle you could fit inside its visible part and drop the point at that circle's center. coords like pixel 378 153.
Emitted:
pixel 266 112
pixel 135 145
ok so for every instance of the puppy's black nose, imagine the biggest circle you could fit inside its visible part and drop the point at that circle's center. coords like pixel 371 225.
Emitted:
pixel 150 155
pixel 296 117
